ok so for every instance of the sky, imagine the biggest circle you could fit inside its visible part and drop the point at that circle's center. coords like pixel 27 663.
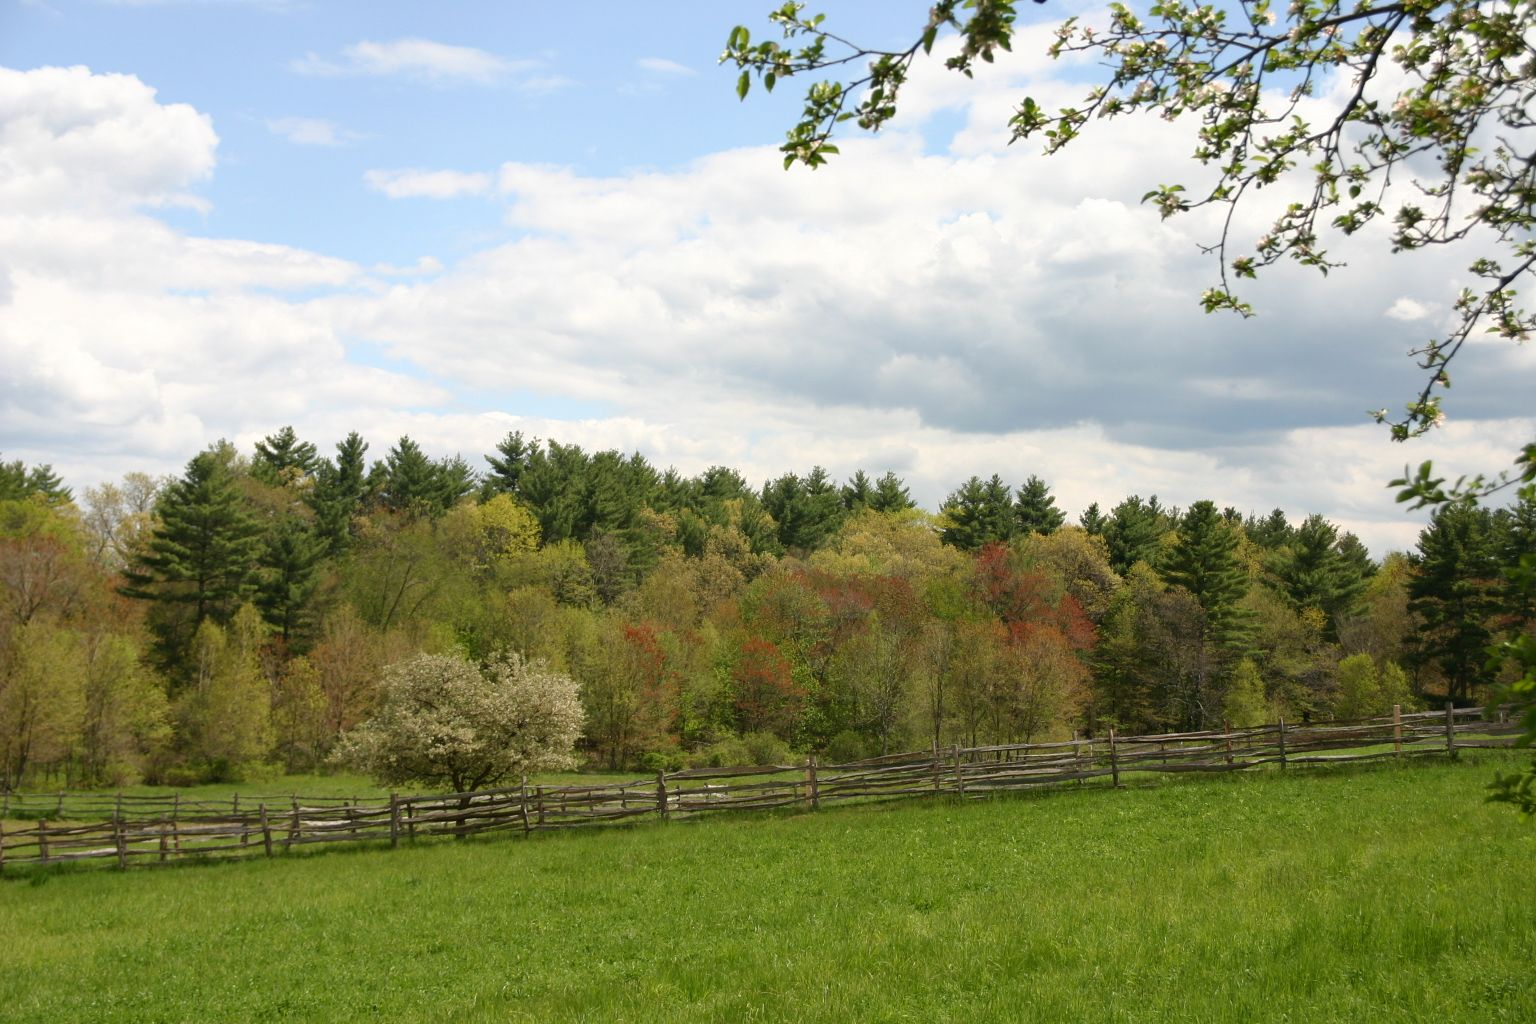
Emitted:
pixel 460 219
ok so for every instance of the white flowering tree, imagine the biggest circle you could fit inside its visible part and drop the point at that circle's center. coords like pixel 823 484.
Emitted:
pixel 443 720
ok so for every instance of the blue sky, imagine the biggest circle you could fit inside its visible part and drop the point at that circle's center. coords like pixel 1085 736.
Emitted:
pixel 462 218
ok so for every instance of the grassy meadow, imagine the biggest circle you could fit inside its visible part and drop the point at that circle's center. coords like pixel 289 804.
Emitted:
pixel 1352 894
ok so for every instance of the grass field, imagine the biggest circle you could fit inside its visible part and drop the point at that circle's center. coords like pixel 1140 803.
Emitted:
pixel 1370 894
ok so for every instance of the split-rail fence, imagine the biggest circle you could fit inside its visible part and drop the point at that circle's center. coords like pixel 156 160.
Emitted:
pixel 162 830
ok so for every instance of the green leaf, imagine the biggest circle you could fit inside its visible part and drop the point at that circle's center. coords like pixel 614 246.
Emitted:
pixel 742 85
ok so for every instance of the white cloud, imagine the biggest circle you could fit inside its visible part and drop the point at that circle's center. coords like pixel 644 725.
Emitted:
pixel 415 58
pixel 662 66
pixel 1407 310
pixel 71 140
pixel 310 131
pixel 403 184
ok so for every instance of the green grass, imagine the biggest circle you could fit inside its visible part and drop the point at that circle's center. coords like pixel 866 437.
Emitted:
pixel 1383 893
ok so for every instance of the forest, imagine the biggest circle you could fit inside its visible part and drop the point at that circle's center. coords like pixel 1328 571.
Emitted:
pixel 234 621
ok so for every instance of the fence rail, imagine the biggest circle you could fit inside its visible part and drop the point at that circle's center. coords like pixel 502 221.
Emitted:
pixel 161 830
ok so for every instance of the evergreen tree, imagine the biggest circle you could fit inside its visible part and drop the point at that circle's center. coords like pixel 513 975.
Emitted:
pixel 1134 532
pixel 1315 574
pixel 1454 594
pixel 1271 532
pixel 408 479
pixel 287 580
pixel 1204 562
pixel 1093 521
pixel 554 484
pixel 1036 508
pixel 858 492
pixel 507 471
pixel 978 513
pixel 338 492
pixel 891 495
pixel 282 459
pixel 201 557
pixel 17 482
pixel 807 511
pixel 455 482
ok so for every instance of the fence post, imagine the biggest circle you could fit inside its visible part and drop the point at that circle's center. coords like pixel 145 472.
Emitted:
pixel 176 836
pixel 938 768
pixel 959 775
pixel 394 820
pixel 175 806
pixel 117 841
pixel 661 795
pixel 1282 744
pixel 522 803
pixel 42 839
pixel 236 805
pixel 1450 729
pixel 814 782
pixel 1397 729
pixel 58 812
pixel 266 831
pixel 1226 727
pixel 2 844
pixel 295 826
pixel 117 813
pixel 1114 759
pixel 165 846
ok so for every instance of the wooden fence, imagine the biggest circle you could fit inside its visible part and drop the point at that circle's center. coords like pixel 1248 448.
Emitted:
pixel 140 830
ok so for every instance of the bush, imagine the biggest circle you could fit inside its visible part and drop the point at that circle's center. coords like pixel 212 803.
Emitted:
pixel 661 761
pixel 765 748
pixel 846 746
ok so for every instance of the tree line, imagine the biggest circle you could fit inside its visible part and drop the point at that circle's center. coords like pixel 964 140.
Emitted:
pixel 238 618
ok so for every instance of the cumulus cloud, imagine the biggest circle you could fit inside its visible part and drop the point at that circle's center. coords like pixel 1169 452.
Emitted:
pixel 1406 309
pixel 424 59
pixel 72 140
pixel 123 342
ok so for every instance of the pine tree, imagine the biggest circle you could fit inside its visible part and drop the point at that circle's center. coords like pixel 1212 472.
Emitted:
pixel 891 495
pixel 1204 562
pixel 506 472
pixel 201 557
pixel 282 459
pixel 1093 521
pixel 338 492
pixel 17 482
pixel 1454 594
pixel 978 513
pixel 807 510
pixel 1134 532
pixel 288 578
pixel 1315 574
pixel 858 492
pixel 1036 508
pixel 1271 532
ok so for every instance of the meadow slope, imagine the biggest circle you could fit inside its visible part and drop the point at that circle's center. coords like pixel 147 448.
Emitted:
pixel 1385 893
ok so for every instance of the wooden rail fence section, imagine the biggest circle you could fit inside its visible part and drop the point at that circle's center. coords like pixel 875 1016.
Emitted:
pixel 160 830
